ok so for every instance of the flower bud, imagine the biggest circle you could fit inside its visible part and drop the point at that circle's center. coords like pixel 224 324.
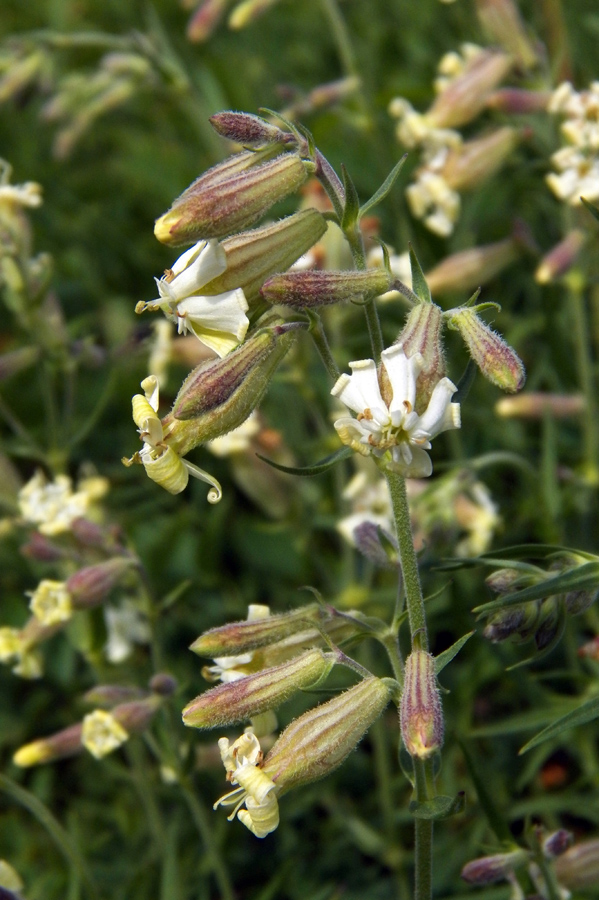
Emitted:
pixel 489 869
pixel 90 585
pixel 578 868
pixel 577 602
pixel 244 698
pixel 254 255
pixel 247 11
pixel 163 684
pixel 466 270
pixel 367 538
pixel 549 622
pixel 557 843
pixel 321 288
pixel 249 130
pixel 219 395
pixel 561 258
pixel 317 742
pixel 240 637
pixel 518 620
pixel 136 715
pixel 470 164
pixel 421 334
pixel 420 712
pixel 205 19
pixel 493 356
pixel 503 24
pixel 108 695
pixel 535 405
pixel 215 206
pixel 466 95
pixel 503 580
pixel 58 746
pixel 518 101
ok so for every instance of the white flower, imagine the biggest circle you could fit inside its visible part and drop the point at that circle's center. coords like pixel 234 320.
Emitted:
pixel 232 668
pixel 218 321
pixel 242 760
pixel 578 176
pixel 51 505
pixel 125 626
pixel 431 199
pixel 370 502
pixel 101 733
pixel 394 432
pixel 28 194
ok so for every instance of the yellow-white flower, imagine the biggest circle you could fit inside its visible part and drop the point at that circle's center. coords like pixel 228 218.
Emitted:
pixel 232 668
pixel 51 602
pixel 577 175
pixel 431 199
pixel 101 733
pixel 395 433
pixel 218 321
pixel 255 789
pixel 15 649
pixel 52 505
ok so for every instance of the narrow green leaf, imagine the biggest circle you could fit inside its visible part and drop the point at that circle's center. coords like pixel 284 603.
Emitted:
pixel 317 469
pixel 581 578
pixel 419 285
pixel 384 189
pixel 585 713
pixel 351 210
pixel 444 658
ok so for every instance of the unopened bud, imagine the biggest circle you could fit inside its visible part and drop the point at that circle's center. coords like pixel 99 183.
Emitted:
pixel 216 206
pixel 422 334
pixel 467 270
pixel 557 843
pixel 320 288
pixel 466 95
pixel 493 356
pixel 254 255
pixel 489 869
pixel 108 695
pixel 247 11
pixel 205 19
pixel 135 716
pixel 470 164
pixel 367 538
pixel 244 698
pixel 504 26
pixel 41 548
pixel 561 258
pixel 249 130
pixel 420 712
pixel 503 580
pixel 549 622
pixel 518 620
pixel 240 637
pixel 535 405
pixel 515 101
pixel 58 746
pixel 578 868
pixel 577 602
pixel 220 394
pixel 163 684
pixel 90 586
pixel 317 742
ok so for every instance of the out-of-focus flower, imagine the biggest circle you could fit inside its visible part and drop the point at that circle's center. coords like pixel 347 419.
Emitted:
pixel 577 163
pixel 577 175
pixel 218 321
pixel 101 733
pixel 28 194
pixel 536 404
pixel 125 626
pixel 368 495
pixel 237 441
pixel 10 880
pixel 52 505
pixel 51 602
pixel 13 649
pixel 392 430
pixel 399 265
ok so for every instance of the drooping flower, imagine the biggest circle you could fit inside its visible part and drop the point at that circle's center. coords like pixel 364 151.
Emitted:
pixel 218 321
pixel 393 431
pixel 255 789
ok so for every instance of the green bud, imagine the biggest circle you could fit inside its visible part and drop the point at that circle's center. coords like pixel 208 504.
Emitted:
pixel 420 712
pixel 493 356
pixel 240 637
pixel 244 698
pixel 249 130
pixel 219 204
pixel 320 288
pixel 254 255
pixel 219 394
pixel 316 743
pixel 549 622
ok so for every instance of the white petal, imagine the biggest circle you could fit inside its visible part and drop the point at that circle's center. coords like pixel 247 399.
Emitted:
pixel 196 267
pixel 438 416
pixel 420 466
pixel 223 312
pixel 402 373
pixel 360 390
pixel 150 387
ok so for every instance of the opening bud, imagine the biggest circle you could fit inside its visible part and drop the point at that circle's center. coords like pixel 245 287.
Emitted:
pixel 244 698
pixel 493 356
pixel 320 288
pixel 420 712
pixel 222 202
pixel 241 637
pixel 249 130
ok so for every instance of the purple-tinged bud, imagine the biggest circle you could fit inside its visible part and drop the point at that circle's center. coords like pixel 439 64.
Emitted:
pixel 518 101
pixel 137 715
pixel 90 586
pixel 421 334
pixel 246 697
pixel 557 843
pixel 163 684
pixel 466 95
pixel 420 712
pixel 240 637
pixel 467 270
pixel 220 394
pixel 489 869
pixel 536 404
pixel 561 258
pixel 518 620
pixel 88 533
pixel 248 130
pixel 549 622
pixel 316 743
pixel 577 602
pixel 470 164
pixel 254 255
pixel 108 695
pixel 493 356
pixel 58 746
pixel 41 548
pixel 205 19
pixel 367 538
pixel 503 580
pixel 214 207
pixel 503 24
pixel 311 289
pixel 578 868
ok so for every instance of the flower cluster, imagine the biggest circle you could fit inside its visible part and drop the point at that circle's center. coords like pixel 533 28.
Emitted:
pixel 576 163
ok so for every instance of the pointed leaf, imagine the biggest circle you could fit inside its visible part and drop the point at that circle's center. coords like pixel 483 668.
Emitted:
pixel 585 713
pixel 581 578
pixel 419 285
pixel 351 210
pixel 444 658
pixel 384 189
pixel 316 469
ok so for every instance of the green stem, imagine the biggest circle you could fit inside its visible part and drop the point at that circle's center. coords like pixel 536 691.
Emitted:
pixel 409 562
pixel 202 823
pixel 585 375
pixel 423 828
pixel 322 345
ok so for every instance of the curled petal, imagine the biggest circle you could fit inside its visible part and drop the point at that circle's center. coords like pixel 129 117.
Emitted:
pixel 215 494
pixel 168 470
pixel 260 818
